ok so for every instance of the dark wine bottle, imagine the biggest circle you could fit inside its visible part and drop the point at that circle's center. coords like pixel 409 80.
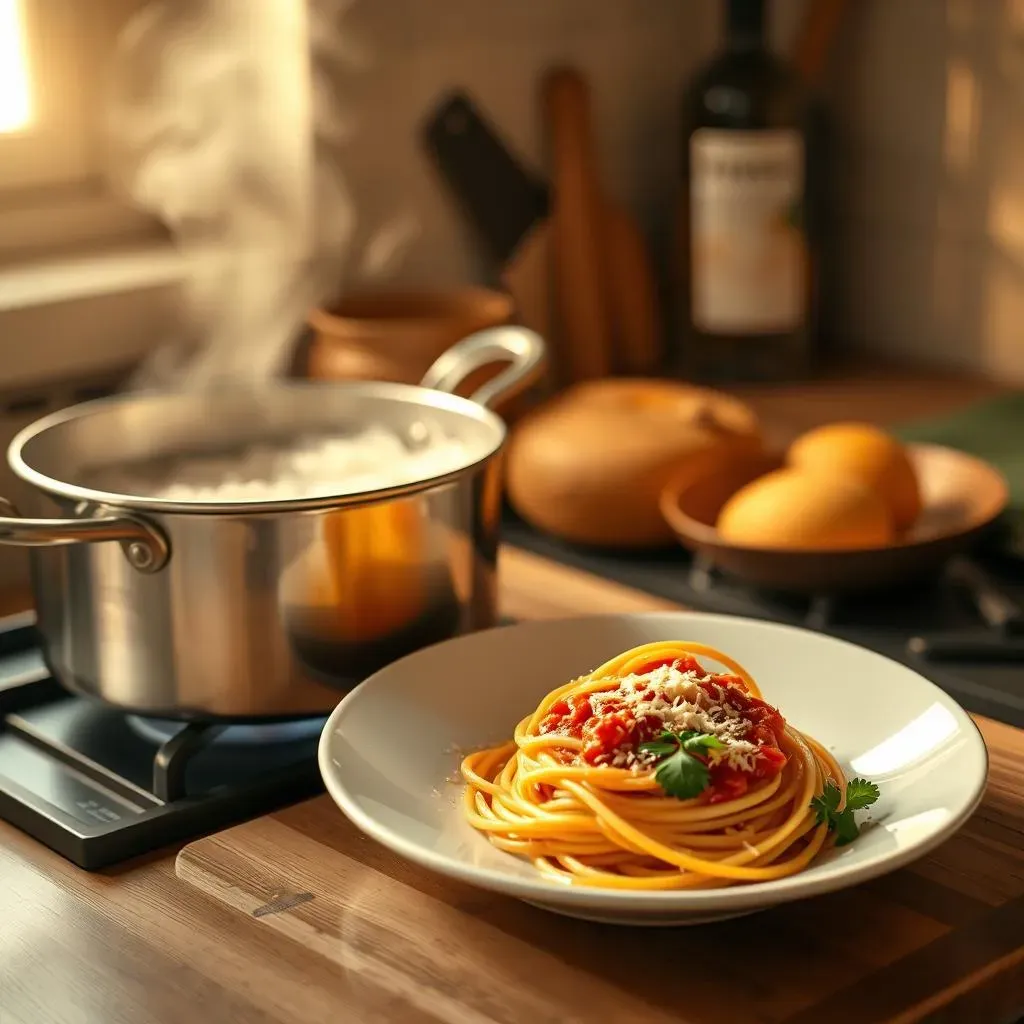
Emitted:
pixel 745 265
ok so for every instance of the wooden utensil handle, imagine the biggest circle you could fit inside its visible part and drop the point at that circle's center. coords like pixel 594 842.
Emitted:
pixel 578 232
pixel 815 37
pixel 632 294
pixel 528 280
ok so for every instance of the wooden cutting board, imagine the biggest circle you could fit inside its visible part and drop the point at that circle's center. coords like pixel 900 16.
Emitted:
pixel 946 934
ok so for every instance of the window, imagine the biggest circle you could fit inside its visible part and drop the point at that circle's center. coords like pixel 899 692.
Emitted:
pixel 44 140
pixel 15 96
pixel 53 189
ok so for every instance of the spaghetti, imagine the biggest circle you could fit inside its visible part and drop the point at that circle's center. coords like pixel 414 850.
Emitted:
pixel 652 772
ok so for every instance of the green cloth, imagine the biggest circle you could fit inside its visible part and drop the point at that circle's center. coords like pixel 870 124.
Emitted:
pixel 992 430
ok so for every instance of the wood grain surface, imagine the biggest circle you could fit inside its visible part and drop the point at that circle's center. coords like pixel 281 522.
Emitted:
pixel 137 945
pixel 946 934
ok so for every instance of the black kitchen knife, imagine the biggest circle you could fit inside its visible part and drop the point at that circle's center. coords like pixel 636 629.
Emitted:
pixel 501 199
pixel 507 206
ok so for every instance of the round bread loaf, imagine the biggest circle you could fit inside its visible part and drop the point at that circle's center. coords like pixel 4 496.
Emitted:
pixel 589 466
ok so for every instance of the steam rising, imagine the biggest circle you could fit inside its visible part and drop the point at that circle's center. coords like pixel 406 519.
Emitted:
pixel 226 124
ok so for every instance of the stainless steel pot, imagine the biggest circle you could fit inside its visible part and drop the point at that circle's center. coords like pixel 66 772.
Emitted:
pixel 261 610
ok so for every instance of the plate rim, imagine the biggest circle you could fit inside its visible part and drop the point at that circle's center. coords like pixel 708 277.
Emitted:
pixel 757 894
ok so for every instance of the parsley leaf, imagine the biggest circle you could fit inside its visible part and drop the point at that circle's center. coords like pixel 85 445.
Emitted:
pixel 681 775
pixel 859 794
pixel 846 828
pixel 680 772
pixel 826 805
pixel 699 742
pixel 664 745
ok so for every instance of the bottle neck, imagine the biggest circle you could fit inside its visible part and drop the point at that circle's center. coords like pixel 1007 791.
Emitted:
pixel 745 25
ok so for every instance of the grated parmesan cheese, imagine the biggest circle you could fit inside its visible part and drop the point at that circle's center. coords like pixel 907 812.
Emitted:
pixel 674 699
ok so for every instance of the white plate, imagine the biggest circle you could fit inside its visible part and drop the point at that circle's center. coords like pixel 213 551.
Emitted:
pixel 389 753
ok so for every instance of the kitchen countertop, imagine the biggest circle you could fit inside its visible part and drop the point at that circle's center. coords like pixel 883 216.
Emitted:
pixel 135 944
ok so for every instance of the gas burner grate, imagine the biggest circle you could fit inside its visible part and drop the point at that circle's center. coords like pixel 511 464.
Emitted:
pixel 160 730
pixel 178 743
pixel 816 612
pixel 99 786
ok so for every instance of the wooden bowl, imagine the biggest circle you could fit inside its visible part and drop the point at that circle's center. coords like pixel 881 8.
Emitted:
pixel 962 496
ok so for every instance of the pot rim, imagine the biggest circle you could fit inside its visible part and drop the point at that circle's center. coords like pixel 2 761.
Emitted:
pixel 386 391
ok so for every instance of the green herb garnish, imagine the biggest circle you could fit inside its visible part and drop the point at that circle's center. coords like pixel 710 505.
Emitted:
pixel 859 794
pixel 680 772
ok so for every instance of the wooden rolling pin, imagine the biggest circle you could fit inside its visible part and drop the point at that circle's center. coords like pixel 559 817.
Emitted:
pixel 579 245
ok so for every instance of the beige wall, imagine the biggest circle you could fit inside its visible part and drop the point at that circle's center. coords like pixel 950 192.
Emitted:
pixel 636 54
pixel 929 201
pixel 928 196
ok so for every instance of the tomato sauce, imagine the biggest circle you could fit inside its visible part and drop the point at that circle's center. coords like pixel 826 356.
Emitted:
pixel 617 728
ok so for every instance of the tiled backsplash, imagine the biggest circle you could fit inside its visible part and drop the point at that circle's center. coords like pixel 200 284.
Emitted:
pixel 929 201
pixel 928 193
pixel 636 57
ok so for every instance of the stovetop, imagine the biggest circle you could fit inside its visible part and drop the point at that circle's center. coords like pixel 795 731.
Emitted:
pixel 99 786
pixel 980 667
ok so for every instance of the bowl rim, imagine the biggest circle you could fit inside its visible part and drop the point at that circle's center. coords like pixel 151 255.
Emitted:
pixel 689 531
pixel 755 895
pixel 381 390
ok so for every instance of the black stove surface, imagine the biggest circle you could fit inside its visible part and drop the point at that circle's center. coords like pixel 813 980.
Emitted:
pixel 99 786
pixel 989 680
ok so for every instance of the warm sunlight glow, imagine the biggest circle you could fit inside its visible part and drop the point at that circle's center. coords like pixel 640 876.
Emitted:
pixel 15 97
pixel 915 741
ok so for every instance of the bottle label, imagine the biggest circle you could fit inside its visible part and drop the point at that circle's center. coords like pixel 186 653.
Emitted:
pixel 748 258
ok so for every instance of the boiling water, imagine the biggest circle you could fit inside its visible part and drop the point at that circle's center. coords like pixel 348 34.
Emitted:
pixel 311 467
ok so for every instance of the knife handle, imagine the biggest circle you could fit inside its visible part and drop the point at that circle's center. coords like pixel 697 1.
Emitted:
pixel 499 197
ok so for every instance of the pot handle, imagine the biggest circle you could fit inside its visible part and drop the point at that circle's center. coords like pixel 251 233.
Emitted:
pixel 523 348
pixel 144 545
